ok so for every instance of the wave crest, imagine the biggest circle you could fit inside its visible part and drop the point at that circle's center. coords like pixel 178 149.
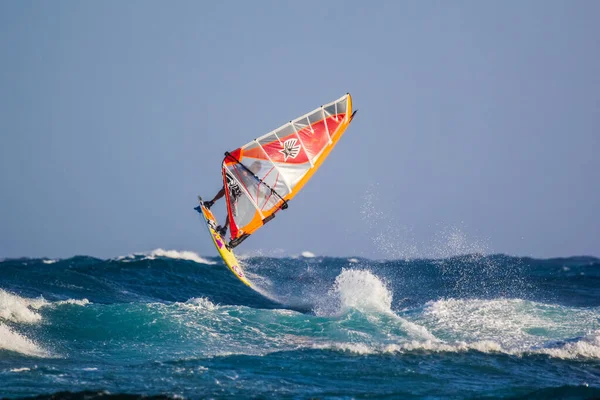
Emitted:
pixel 20 309
pixel 356 289
pixel 15 309
pixel 13 341
pixel 174 254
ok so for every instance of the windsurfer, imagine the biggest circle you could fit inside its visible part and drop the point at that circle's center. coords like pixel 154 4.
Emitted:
pixel 254 168
pixel 221 230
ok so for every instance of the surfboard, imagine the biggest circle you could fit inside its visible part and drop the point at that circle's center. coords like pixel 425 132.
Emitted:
pixel 221 245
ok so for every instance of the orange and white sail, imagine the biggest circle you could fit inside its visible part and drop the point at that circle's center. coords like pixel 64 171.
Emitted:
pixel 263 175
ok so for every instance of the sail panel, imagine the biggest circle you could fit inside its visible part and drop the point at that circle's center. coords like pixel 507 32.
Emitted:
pixel 272 169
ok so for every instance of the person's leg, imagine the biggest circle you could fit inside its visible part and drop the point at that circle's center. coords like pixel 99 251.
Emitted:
pixel 222 230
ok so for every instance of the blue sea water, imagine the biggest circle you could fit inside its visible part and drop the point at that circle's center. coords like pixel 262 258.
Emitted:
pixel 176 324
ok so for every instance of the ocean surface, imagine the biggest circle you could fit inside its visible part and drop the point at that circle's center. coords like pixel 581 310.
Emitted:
pixel 177 324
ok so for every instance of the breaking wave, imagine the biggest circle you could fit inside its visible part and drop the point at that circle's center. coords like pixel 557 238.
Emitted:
pixel 16 311
pixel 173 254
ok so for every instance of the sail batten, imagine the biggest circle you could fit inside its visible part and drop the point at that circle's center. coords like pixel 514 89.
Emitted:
pixel 275 166
pixel 269 171
pixel 326 127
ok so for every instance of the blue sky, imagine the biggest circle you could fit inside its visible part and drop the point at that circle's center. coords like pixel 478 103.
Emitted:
pixel 478 124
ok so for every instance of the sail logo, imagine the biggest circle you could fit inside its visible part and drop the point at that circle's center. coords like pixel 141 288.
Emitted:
pixel 290 149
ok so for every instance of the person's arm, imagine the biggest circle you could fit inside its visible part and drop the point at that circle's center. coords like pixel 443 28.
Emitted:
pixel 219 195
pixel 209 204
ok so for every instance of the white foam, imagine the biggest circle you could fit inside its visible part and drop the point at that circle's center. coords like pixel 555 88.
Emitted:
pixel 200 303
pixel 484 346
pixel 586 347
pixel 175 254
pixel 356 289
pixel 411 346
pixel 76 302
pixel 361 290
pixel 24 369
pixel 357 348
pixel 13 341
pixel 415 330
pixel 390 333
pixel 19 309
pixel 308 254
pixel 519 327
pixel 49 261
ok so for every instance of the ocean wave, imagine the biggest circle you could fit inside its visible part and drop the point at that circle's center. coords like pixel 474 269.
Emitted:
pixel 15 309
pixel 20 309
pixel 564 264
pixel 24 369
pixel 224 330
pixel 363 291
pixel 410 346
pixel 14 341
pixel 511 322
pixel 200 303
pixel 174 254
pixel 584 349
pixel 81 302
pixel 356 289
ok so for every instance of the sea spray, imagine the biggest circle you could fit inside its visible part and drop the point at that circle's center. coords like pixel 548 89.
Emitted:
pixel 19 309
pixel 396 240
pixel 16 342
pixel 515 324
pixel 356 289
pixel 360 290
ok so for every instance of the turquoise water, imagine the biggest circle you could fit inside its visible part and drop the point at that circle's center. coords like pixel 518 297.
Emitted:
pixel 180 325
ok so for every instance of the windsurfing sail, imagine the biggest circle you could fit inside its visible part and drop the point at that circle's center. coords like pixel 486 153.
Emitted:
pixel 264 174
